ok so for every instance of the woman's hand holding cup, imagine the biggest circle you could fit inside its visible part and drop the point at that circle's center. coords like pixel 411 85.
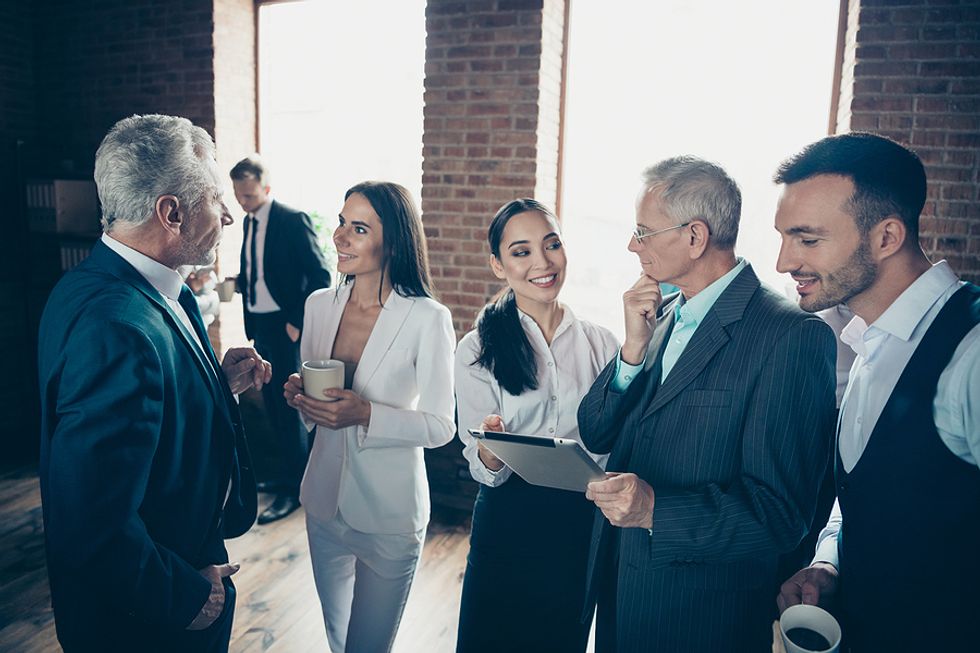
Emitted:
pixel 337 410
pixel 292 388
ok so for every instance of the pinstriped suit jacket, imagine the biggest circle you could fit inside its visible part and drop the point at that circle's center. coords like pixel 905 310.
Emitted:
pixel 734 444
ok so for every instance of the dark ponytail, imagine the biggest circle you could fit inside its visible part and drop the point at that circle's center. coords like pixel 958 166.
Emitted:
pixel 505 350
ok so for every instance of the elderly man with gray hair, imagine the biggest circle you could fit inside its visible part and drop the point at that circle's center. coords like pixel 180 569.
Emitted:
pixel 144 469
pixel 717 414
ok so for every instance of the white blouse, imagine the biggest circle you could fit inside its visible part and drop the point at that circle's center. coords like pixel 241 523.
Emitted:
pixel 578 353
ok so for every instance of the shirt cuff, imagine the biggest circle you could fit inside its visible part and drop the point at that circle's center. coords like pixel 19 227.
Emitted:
pixel 827 551
pixel 489 477
pixel 625 373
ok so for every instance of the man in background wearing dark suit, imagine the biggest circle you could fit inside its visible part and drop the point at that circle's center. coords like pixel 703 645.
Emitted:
pixel 899 550
pixel 144 468
pixel 716 415
pixel 281 264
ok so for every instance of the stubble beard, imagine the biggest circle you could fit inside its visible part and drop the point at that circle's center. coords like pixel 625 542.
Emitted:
pixel 852 278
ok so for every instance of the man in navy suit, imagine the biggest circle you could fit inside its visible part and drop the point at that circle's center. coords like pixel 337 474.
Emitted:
pixel 281 264
pixel 717 413
pixel 144 466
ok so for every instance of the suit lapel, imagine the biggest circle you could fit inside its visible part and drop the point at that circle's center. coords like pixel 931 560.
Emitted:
pixel 711 336
pixel 389 324
pixel 118 267
pixel 269 243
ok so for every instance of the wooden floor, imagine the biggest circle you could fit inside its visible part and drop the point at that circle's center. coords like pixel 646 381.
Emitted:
pixel 277 607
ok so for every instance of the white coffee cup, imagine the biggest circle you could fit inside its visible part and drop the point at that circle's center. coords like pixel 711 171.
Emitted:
pixel 226 290
pixel 318 375
pixel 812 618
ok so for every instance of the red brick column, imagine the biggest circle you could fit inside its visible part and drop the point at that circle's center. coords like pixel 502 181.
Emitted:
pixel 492 111
pixel 492 116
pixel 912 72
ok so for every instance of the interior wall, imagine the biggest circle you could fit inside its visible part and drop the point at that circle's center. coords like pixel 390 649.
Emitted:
pixel 18 126
pixel 68 71
pixel 912 72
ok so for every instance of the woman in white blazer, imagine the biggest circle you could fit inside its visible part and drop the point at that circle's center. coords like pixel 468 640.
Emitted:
pixel 365 490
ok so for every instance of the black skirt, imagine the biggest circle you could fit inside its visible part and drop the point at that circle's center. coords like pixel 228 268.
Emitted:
pixel 524 588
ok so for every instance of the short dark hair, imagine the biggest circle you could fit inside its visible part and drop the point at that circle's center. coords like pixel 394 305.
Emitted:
pixel 888 178
pixel 251 167
pixel 505 350
pixel 404 248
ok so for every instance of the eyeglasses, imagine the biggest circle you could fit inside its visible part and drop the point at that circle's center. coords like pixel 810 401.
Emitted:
pixel 640 232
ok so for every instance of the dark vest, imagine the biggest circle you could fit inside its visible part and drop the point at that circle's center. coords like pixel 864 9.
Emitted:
pixel 910 543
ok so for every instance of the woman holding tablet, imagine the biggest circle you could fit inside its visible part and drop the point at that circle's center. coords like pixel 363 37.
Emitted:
pixel 525 368
pixel 365 490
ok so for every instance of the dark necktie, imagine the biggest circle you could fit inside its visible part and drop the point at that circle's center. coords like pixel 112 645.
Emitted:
pixel 253 272
pixel 189 304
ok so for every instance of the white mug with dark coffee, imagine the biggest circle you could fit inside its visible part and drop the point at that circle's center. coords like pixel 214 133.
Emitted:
pixel 319 375
pixel 809 629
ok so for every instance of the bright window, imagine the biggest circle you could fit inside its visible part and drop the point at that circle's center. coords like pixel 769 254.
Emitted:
pixel 340 98
pixel 743 84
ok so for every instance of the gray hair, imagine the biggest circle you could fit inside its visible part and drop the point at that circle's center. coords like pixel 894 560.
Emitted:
pixel 145 157
pixel 692 188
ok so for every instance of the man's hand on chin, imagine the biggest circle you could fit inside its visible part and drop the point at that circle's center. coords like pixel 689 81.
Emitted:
pixel 625 499
pixel 244 369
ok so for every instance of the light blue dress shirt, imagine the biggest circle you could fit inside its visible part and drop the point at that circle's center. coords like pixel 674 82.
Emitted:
pixel 688 314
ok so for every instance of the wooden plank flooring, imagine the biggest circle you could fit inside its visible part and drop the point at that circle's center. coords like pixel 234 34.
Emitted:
pixel 277 608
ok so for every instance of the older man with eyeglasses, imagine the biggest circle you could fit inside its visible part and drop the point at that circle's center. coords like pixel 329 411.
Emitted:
pixel 717 414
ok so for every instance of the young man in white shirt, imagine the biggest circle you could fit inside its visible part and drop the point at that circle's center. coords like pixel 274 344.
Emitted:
pixel 909 431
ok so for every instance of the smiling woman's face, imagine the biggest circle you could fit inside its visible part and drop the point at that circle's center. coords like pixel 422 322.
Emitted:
pixel 532 258
pixel 359 238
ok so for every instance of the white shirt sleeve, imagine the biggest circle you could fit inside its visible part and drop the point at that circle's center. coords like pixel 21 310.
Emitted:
pixel 476 398
pixel 827 541
pixel 956 408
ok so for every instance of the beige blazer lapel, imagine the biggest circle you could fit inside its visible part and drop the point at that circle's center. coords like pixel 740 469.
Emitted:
pixel 389 324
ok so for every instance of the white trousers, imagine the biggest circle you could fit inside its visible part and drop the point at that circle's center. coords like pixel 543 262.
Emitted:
pixel 363 581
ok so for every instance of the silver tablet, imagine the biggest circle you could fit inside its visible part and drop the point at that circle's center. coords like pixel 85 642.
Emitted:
pixel 551 462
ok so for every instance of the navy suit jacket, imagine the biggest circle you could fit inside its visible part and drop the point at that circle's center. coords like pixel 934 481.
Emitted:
pixel 140 443
pixel 734 443
pixel 292 264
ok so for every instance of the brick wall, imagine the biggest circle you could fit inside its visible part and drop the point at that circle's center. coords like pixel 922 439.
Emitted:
pixel 492 87
pixel 492 114
pixel 912 72
pixel 99 63
pixel 68 71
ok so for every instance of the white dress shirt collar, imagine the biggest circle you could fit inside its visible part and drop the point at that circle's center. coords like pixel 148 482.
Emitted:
pixel 903 318
pixel 166 280
pixel 262 213
pixel 567 319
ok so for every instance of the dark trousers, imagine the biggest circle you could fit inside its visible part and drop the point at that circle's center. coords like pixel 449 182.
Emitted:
pixel 274 345
pixel 606 577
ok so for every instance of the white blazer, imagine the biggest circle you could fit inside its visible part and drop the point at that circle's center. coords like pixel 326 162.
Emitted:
pixel 375 476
